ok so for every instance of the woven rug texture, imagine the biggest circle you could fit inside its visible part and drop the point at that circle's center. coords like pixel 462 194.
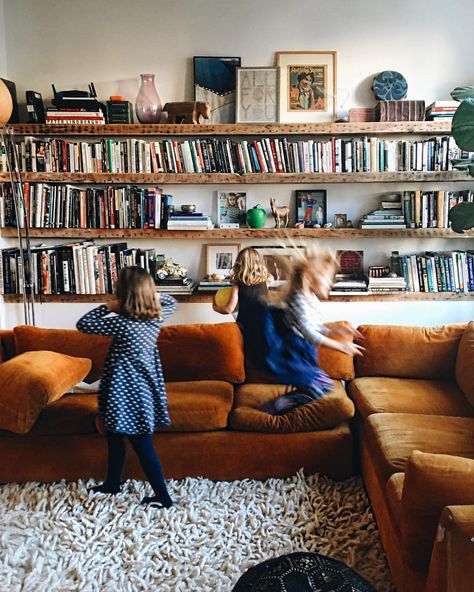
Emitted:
pixel 59 538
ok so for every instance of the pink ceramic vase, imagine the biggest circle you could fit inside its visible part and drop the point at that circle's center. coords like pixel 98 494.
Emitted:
pixel 148 104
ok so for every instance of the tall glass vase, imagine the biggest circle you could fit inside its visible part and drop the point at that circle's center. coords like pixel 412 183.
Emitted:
pixel 148 104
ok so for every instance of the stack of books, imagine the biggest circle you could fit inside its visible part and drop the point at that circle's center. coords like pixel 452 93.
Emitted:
pixel 210 286
pixel 176 286
pixel 345 282
pixel 72 115
pixel 387 284
pixel 189 221
pixel 441 110
pixel 389 215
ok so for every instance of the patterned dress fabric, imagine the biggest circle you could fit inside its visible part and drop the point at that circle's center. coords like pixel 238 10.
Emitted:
pixel 132 396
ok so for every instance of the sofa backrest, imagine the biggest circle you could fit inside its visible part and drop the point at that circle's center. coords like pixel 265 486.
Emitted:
pixel 465 363
pixel 188 352
pixel 409 352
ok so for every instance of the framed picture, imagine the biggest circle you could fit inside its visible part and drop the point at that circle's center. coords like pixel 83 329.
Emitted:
pixel 256 95
pixel 311 207
pixel 278 262
pixel 340 220
pixel 307 86
pixel 214 82
pixel 231 209
pixel 221 259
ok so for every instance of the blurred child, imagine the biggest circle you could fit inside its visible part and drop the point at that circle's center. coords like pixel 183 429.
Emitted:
pixel 293 327
pixel 132 397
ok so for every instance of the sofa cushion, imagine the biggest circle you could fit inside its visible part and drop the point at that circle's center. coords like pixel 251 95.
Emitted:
pixel 409 352
pixel 408 395
pixel 198 406
pixel 465 363
pixel 65 341
pixel 432 481
pixel 202 352
pixel 31 381
pixel 392 437
pixel 325 413
pixel 393 495
pixel 7 345
pixel 336 364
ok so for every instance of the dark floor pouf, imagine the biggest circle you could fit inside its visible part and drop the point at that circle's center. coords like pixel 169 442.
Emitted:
pixel 302 572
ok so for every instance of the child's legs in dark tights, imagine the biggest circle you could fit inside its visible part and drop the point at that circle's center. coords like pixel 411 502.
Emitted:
pixel 115 460
pixel 143 446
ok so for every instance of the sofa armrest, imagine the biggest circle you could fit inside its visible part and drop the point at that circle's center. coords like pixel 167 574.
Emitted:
pixel 452 561
pixel 432 481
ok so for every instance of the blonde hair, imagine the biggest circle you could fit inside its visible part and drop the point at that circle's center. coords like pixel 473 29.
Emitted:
pixel 303 268
pixel 249 268
pixel 136 293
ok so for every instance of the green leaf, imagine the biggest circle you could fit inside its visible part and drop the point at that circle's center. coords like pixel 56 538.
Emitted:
pixel 460 93
pixel 462 217
pixel 462 127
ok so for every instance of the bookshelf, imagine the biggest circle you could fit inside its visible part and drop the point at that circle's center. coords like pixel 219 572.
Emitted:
pixel 399 130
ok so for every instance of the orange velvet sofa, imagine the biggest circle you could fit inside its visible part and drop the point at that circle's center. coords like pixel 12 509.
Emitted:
pixel 414 398
pixel 217 430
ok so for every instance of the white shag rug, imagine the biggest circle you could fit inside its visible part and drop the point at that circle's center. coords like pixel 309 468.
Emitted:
pixel 58 538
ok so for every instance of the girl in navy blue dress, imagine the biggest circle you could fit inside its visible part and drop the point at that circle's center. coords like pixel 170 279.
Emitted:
pixel 132 396
pixel 293 327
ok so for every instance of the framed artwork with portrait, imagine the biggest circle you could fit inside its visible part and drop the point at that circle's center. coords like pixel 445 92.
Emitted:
pixel 231 209
pixel 221 259
pixel 214 83
pixel 311 207
pixel 256 100
pixel 307 86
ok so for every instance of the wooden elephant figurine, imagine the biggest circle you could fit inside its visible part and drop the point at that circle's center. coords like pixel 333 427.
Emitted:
pixel 187 111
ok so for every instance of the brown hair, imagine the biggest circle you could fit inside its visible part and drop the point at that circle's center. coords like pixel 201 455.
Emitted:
pixel 136 293
pixel 249 268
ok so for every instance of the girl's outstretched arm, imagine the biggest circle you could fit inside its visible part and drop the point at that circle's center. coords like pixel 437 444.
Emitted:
pixel 96 321
pixel 168 305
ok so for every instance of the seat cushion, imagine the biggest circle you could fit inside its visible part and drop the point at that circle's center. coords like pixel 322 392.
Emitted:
pixel 199 406
pixel 392 437
pixel 408 395
pixel 409 352
pixel 465 363
pixel 31 381
pixel 326 413
pixel 393 495
pixel 72 414
pixel 65 341
pixel 202 352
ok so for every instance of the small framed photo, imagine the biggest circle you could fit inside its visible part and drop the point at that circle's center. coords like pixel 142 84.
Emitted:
pixel 256 100
pixel 231 209
pixel 307 86
pixel 278 261
pixel 221 259
pixel 340 220
pixel 311 207
pixel 214 83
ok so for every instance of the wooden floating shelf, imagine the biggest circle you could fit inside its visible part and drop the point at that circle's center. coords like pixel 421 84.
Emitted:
pixel 245 179
pixel 239 233
pixel 288 129
pixel 207 297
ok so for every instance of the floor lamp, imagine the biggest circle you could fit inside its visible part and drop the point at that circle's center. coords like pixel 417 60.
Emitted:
pixel 22 226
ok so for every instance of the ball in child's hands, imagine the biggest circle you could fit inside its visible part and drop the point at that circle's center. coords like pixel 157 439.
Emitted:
pixel 222 296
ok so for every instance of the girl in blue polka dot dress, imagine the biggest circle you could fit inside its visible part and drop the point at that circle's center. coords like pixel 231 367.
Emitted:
pixel 132 395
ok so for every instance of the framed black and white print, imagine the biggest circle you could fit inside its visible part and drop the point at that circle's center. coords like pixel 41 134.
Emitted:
pixel 257 92
pixel 215 83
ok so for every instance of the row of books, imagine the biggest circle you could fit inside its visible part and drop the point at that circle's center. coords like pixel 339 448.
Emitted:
pixel 215 155
pixel 439 272
pixel 439 110
pixel 75 268
pixel 416 209
pixel 66 206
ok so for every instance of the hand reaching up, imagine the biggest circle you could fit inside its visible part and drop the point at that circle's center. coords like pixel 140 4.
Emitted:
pixel 352 349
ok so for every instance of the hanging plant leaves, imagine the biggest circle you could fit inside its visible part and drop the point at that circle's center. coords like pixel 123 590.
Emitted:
pixel 460 93
pixel 462 127
pixel 462 217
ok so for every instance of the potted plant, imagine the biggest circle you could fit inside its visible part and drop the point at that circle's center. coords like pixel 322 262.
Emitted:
pixel 462 130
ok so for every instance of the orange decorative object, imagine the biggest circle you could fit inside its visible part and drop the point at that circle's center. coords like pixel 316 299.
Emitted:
pixel 117 98
pixel 6 103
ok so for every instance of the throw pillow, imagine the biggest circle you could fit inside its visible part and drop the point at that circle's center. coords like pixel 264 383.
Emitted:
pixel 465 363
pixel 30 381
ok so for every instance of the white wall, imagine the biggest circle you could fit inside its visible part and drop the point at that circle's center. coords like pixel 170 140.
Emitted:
pixel 110 42
pixel 3 47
